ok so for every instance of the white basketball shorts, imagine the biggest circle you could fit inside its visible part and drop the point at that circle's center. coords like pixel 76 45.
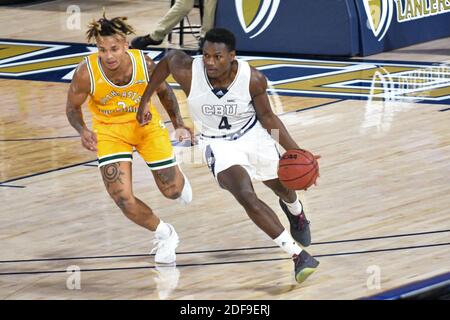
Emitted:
pixel 255 151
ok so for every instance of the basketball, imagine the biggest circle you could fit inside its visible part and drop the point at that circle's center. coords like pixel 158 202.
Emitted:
pixel 298 169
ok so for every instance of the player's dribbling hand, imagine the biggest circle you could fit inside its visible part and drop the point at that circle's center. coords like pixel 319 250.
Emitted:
pixel 143 115
pixel 317 157
pixel 89 140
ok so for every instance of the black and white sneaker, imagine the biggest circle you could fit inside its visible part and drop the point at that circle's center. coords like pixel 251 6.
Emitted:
pixel 299 226
pixel 304 265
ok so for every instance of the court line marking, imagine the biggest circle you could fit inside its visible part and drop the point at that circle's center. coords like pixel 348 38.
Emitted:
pixel 226 262
pixel 48 171
pixel 11 186
pixel 38 139
pixel 226 250
pixel 319 106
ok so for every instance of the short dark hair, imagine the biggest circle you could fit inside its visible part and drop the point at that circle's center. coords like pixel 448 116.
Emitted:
pixel 221 35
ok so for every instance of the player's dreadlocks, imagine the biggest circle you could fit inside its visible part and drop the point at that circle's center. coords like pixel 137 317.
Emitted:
pixel 106 27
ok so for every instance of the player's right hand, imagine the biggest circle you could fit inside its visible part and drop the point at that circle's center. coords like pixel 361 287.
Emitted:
pixel 143 115
pixel 89 140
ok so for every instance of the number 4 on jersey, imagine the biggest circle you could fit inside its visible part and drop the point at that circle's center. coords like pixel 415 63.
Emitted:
pixel 224 124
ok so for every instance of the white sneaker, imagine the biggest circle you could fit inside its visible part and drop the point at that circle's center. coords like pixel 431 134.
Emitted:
pixel 186 194
pixel 165 248
pixel 167 280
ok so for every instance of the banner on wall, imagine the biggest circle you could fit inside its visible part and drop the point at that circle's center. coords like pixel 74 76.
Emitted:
pixel 256 16
pixel 391 24
pixel 333 27
pixel 291 26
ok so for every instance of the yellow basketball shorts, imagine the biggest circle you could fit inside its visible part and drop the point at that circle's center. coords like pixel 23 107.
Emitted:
pixel 115 143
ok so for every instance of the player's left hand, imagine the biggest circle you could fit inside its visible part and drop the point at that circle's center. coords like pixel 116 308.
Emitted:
pixel 317 157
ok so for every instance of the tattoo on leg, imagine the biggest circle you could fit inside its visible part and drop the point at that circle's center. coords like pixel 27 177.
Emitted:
pixel 111 174
pixel 166 176
pixel 122 203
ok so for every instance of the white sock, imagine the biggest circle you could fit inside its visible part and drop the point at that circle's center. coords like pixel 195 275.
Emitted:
pixel 186 193
pixel 163 230
pixel 295 208
pixel 285 242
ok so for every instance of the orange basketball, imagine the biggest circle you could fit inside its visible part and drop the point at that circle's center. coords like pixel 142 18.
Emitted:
pixel 298 169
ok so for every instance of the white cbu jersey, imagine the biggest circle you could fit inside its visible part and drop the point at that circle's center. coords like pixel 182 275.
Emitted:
pixel 225 113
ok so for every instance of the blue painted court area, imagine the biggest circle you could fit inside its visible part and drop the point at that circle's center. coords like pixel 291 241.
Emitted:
pixel 289 72
pixel 437 287
pixel 56 62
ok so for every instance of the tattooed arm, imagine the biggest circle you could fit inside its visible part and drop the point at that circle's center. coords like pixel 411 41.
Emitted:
pixel 170 104
pixel 167 97
pixel 78 92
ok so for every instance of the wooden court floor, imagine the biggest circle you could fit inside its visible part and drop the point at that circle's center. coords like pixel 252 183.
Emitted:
pixel 380 215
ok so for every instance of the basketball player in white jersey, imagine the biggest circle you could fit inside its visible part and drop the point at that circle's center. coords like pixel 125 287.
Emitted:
pixel 229 105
